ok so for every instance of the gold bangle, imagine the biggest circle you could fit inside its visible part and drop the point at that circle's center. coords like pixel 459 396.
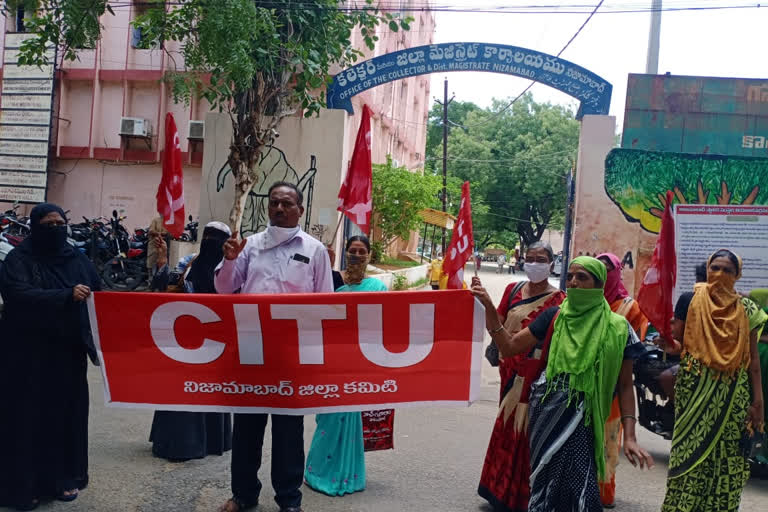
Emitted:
pixel 496 331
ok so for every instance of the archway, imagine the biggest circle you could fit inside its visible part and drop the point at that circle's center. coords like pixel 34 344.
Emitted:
pixel 591 90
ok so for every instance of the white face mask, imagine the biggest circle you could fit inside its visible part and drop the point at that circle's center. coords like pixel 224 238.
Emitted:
pixel 278 236
pixel 537 272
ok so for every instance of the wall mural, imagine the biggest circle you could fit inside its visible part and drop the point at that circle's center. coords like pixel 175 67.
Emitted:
pixel 637 181
pixel 274 166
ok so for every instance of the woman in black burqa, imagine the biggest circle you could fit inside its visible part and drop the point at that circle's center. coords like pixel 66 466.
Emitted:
pixel 178 435
pixel 45 342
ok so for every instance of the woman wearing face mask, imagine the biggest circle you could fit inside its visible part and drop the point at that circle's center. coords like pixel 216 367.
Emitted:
pixel 589 351
pixel 336 459
pixel 714 413
pixel 179 436
pixel 621 304
pixel 46 340
pixel 506 472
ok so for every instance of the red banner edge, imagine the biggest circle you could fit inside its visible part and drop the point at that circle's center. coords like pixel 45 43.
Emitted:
pixel 290 412
pixel 478 337
pixel 91 302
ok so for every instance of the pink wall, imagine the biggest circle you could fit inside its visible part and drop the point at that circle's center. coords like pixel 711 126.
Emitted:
pixel 91 188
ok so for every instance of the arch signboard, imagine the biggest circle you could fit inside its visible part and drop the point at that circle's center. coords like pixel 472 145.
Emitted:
pixel 591 90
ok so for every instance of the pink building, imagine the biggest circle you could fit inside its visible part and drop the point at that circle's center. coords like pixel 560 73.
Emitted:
pixel 109 107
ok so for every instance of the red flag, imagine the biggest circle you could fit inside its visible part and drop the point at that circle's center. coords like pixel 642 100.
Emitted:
pixel 355 196
pixel 170 192
pixel 655 295
pixel 462 242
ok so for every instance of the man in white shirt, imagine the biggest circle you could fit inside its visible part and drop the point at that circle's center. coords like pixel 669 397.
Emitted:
pixel 281 259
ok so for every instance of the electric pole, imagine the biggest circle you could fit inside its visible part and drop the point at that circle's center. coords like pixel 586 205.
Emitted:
pixel 654 39
pixel 445 104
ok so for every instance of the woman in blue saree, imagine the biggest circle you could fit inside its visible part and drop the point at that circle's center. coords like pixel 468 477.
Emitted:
pixel 336 459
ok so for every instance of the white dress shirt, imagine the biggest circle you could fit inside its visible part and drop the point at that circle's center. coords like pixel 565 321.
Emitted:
pixel 299 265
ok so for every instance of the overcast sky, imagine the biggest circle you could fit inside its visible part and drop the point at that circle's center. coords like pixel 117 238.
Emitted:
pixel 728 43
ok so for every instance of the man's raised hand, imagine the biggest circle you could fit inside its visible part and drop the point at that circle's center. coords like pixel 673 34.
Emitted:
pixel 233 247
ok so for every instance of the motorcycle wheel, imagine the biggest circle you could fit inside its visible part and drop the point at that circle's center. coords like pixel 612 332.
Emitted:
pixel 124 275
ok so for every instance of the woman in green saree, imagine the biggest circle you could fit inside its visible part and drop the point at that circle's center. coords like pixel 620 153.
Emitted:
pixel 714 412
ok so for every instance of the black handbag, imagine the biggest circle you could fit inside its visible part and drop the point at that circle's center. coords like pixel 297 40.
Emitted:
pixel 492 351
pixel 752 445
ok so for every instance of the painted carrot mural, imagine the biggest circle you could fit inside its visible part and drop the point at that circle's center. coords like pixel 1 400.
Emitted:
pixel 637 181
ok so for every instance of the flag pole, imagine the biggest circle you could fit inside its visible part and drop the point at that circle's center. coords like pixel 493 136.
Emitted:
pixel 336 232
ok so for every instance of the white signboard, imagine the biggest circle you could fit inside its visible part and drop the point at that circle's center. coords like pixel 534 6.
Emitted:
pixel 24 163
pixel 23 179
pixel 12 131
pixel 12 56
pixel 15 147
pixel 14 39
pixel 700 230
pixel 41 117
pixel 27 87
pixel 16 71
pixel 14 101
pixel 25 124
pixel 23 194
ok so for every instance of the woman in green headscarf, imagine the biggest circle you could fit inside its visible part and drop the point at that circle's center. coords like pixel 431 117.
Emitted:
pixel 590 351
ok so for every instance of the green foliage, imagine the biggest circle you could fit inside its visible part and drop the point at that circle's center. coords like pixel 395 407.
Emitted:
pixel 377 251
pixel 68 25
pixel 457 116
pixel 420 283
pixel 386 260
pixel 637 181
pixel 400 282
pixel 516 160
pixel 398 197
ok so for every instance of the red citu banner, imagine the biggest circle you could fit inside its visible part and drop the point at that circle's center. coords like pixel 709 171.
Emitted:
pixel 290 354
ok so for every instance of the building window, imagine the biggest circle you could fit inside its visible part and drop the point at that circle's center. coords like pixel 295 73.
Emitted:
pixel 15 20
pixel 139 39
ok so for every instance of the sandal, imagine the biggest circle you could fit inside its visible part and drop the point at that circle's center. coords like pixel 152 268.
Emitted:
pixel 235 505
pixel 72 496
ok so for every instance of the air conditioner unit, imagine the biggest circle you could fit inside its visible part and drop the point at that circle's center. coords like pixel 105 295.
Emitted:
pixel 197 130
pixel 135 127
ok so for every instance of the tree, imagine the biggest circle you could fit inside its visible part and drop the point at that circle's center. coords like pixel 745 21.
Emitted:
pixel 516 159
pixel 398 197
pixel 457 115
pixel 255 61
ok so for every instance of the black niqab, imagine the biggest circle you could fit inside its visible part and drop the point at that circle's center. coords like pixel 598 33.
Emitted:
pixel 211 253
pixel 48 243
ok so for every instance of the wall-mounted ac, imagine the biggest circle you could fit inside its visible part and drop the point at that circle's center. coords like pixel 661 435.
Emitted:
pixel 196 130
pixel 135 127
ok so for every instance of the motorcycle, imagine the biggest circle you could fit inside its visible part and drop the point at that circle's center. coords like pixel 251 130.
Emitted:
pixel 127 269
pixel 191 227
